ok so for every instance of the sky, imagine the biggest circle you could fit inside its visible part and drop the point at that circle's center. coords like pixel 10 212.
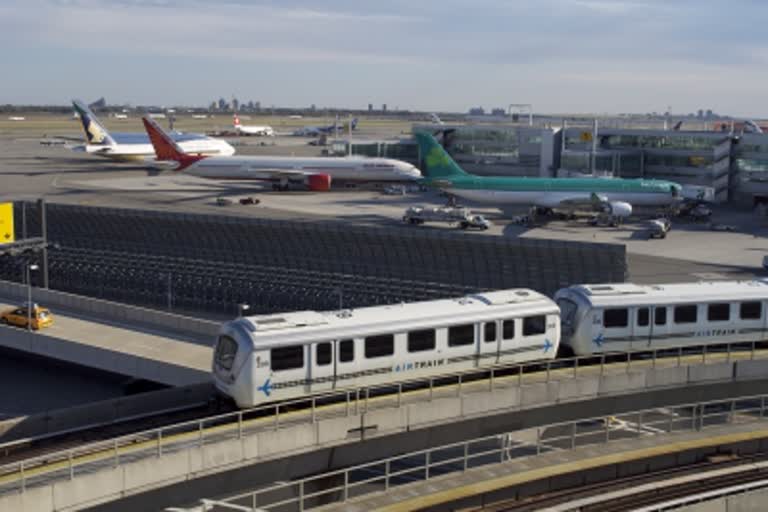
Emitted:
pixel 561 56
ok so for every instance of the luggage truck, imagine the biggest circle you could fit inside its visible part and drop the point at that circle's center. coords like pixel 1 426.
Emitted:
pixel 462 217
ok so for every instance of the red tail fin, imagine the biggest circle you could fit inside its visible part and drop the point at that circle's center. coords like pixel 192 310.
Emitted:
pixel 236 121
pixel 165 147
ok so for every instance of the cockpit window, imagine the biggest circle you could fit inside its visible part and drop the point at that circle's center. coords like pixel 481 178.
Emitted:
pixel 226 350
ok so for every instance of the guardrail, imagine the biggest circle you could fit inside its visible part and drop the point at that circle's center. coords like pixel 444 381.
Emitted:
pixel 381 475
pixel 87 458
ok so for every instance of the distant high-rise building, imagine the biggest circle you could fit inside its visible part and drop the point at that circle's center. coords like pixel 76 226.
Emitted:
pixel 257 106
pixel 384 107
pixel 235 104
pixel 700 114
pixel 251 106
pixel 98 104
pixel 710 114
pixel 223 105
pixel 370 107
pixel 313 107
pixel 498 112
pixel 477 111
pixel 212 106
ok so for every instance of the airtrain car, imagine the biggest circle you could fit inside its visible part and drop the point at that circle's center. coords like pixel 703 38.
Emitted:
pixel 621 317
pixel 268 358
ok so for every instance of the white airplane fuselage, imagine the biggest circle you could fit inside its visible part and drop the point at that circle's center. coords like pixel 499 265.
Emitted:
pixel 144 151
pixel 552 199
pixel 338 168
pixel 266 131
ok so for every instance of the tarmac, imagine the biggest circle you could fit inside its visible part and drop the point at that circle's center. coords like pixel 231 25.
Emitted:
pixel 691 252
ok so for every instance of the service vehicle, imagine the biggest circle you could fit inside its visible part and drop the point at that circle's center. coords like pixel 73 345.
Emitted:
pixel 462 217
pixel 20 317
pixel 658 228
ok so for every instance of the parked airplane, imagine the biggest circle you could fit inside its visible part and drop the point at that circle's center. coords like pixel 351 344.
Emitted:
pixel 136 146
pixel 612 196
pixel 316 173
pixel 264 130
pixel 314 131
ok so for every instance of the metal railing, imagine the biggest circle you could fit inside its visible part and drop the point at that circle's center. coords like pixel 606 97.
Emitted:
pixel 90 457
pixel 381 475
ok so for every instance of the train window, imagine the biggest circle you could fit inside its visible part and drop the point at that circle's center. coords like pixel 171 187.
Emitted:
pixel 346 351
pixel 687 314
pixel 643 317
pixel 719 312
pixel 489 332
pixel 226 350
pixel 660 316
pixel 460 335
pixel 617 317
pixel 379 346
pixel 287 358
pixel 533 325
pixel 751 310
pixel 419 341
pixel 323 354
pixel 508 329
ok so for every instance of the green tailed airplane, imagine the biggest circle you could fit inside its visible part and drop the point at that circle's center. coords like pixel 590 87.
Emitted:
pixel 614 196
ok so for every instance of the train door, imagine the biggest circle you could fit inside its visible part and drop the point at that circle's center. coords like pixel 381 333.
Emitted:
pixel 322 366
pixel 490 342
pixel 642 328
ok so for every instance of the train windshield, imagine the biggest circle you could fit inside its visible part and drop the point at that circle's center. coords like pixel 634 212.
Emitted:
pixel 226 350
pixel 568 310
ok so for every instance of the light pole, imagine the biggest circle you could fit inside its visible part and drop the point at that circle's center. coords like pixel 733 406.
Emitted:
pixel 170 291
pixel 241 308
pixel 30 268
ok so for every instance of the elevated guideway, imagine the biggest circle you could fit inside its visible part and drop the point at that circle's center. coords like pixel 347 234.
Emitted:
pixel 229 453
pixel 138 342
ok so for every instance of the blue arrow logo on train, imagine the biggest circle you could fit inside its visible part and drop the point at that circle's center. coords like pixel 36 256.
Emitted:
pixel 599 340
pixel 266 388
pixel 547 345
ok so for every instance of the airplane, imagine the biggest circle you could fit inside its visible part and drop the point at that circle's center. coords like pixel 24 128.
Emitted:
pixel 315 173
pixel 614 197
pixel 314 131
pixel 137 146
pixel 252 129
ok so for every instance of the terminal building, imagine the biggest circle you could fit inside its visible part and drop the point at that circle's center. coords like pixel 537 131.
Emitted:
pixel 734 165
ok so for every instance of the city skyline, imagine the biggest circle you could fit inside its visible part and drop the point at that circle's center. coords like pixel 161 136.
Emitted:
pixel 566 56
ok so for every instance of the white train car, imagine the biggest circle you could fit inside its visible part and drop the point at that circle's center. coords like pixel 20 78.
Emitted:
pixel 622 317
pixel 268 358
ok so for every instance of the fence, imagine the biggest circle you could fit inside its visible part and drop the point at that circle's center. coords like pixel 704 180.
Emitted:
pixel 209 262
pixel 381 475
pixel 156 443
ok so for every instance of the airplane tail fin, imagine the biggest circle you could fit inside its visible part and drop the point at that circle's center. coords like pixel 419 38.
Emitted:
pixel 437 162
pixel 165 147
pixel 95 133
pixel 236 121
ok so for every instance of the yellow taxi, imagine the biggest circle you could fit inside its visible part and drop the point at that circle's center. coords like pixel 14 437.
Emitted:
pixel 41 317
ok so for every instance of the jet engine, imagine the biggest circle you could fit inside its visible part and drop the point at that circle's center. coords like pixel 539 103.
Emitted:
pixel 320 183
pixel 620 209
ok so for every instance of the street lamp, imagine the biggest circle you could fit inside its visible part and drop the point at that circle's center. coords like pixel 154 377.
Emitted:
pixel 30 268
pixel 242 308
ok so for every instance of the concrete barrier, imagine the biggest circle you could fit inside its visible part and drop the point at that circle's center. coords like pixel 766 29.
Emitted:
pixel 709 372
pixel 42 344
pixel 477 412
pixel 111 311
pixel 104 412
pixel 751 369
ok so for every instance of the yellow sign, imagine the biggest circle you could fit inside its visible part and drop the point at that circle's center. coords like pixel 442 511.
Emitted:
pixel 586 136
pixel 6 223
